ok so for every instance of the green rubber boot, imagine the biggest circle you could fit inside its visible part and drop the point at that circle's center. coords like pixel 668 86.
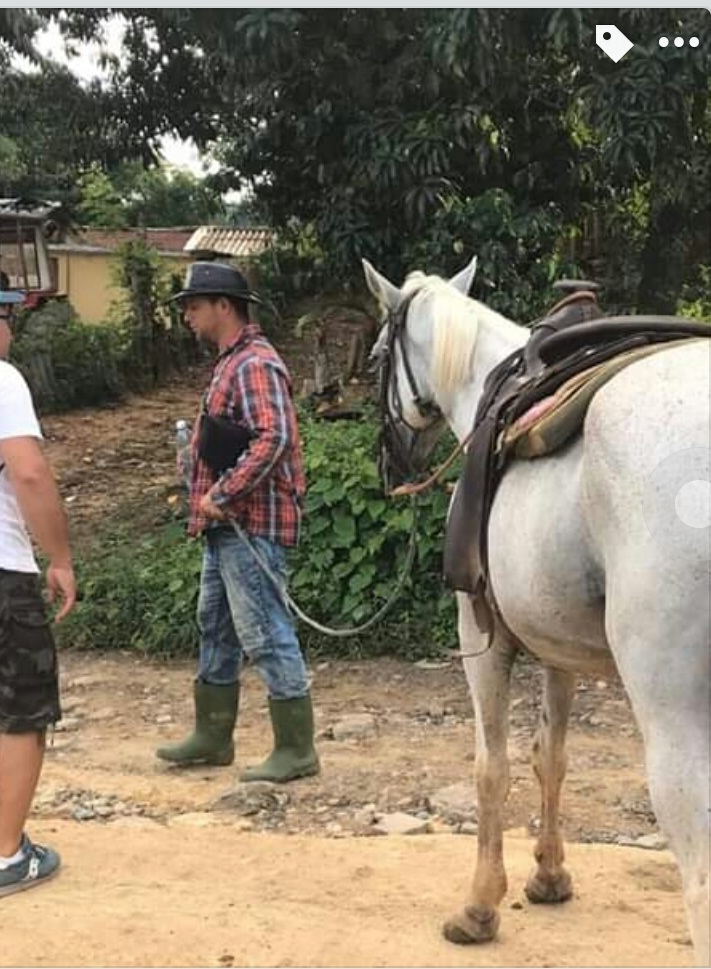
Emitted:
pixel 211 740
pixel 294 754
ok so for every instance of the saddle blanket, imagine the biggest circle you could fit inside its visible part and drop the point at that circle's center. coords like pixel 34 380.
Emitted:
pixel 552 422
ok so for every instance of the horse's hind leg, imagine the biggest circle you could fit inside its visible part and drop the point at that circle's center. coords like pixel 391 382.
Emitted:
pixel 662 652
pixel 677 753
pixel 550 882
pixel 488 675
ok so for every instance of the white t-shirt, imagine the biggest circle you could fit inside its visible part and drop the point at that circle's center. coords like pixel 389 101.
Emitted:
pixel 17 419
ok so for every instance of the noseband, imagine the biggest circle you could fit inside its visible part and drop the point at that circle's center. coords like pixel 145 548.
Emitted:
pixel 396 454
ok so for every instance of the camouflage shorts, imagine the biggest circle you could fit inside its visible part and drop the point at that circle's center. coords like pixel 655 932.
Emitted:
pixel 29 688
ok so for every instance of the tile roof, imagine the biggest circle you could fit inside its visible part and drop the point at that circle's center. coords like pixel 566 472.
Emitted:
pixel 225 241
pixel 164 240
pixel 219 240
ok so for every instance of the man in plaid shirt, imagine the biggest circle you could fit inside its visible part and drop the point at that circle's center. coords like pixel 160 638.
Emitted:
pixel 249 411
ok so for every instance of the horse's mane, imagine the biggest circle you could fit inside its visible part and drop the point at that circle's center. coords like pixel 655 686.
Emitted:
pixel 456 320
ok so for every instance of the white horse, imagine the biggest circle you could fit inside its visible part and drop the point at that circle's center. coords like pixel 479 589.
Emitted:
pixel 599 559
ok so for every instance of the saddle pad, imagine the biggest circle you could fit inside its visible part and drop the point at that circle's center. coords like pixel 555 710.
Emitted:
pixel 551 422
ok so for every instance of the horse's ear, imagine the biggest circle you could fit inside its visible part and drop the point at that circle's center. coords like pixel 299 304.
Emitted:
pixel 463 280
pixel 387 295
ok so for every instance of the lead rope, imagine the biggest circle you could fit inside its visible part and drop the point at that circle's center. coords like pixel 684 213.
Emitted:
pixel 344 630
pixel 414 489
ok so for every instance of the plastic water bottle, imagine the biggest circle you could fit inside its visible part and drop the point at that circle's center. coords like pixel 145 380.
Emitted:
pixel 183 451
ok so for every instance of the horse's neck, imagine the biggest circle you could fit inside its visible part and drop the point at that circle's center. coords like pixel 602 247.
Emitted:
pixel 497 338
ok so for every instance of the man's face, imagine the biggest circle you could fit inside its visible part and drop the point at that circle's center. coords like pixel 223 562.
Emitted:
pixel 204 317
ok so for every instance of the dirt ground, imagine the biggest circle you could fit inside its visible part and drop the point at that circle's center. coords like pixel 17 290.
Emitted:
pixel 171 868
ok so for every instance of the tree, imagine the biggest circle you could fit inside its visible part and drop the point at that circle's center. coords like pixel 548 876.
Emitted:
pixel 17 27
pixel 100 202
pixel 133 195
pixel 58 128
pixel 651 128
pixel 365 124
pixel 165 196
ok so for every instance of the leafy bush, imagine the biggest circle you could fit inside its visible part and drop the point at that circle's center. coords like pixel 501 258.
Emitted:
pixel 66 362
pixel 69 363
pixel 354 547
pixel 143 595
pixel 137 595
pixel 520 250
pixel 696 297
pixel 295 266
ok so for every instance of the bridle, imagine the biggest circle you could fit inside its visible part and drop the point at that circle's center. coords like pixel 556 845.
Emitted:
pixel 395 455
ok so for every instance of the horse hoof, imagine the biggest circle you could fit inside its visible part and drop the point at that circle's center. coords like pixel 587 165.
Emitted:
pixel 472 925
pixel 551 889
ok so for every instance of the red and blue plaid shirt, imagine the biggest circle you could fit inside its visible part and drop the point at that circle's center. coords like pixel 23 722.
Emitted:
pixel 251 386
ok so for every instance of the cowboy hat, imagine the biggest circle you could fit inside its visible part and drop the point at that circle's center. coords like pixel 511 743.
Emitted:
pixel 215 279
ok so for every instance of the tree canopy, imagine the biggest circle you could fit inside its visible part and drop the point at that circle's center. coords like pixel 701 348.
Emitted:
pixel 133 195
pixel 383 129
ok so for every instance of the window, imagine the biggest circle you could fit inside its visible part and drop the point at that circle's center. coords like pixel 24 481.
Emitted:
pixel 18 255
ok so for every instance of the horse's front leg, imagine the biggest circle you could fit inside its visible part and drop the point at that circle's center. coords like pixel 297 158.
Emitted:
pixel 488 675
pixel 550 882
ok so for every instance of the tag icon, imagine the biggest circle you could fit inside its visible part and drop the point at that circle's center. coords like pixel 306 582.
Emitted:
pixel 611 39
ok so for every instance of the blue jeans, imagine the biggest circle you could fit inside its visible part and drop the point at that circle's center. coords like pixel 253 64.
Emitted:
pixel 240 614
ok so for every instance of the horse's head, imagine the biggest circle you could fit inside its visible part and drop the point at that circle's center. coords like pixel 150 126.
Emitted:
pixel 407 347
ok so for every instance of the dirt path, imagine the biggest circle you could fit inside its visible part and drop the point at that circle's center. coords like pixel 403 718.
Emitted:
pixel 150 896
pixel 160 869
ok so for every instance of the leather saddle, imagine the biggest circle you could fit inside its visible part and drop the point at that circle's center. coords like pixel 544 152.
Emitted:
pixel 573 337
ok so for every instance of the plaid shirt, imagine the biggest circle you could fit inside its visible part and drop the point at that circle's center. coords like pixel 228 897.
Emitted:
pixel 251 386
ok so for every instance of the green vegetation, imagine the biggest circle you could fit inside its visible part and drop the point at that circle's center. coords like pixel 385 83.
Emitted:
pixel 132 195
pixel 68 363
pixel 71 364
pixel 379 133
pixel 142 594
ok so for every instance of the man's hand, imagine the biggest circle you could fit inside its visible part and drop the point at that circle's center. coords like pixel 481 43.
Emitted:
pixel 211 510
pixel 61 586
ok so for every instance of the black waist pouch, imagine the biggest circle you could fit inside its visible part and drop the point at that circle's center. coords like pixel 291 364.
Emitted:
pixel 220 442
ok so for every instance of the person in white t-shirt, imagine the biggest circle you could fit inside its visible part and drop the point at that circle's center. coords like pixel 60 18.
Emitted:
pixel 29 689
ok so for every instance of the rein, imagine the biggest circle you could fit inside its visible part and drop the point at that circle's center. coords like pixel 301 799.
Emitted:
pixel 417 487
pixel 389 438
pixel 394 454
